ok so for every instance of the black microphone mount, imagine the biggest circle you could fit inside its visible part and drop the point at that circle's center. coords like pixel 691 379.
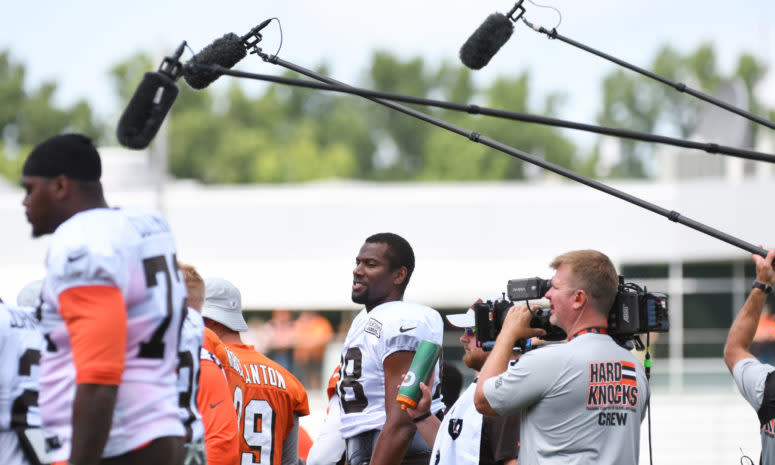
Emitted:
pixel 516 12
pixel 253 37
pixel 171 65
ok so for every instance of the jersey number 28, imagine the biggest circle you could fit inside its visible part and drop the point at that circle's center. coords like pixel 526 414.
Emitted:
pixel 351 371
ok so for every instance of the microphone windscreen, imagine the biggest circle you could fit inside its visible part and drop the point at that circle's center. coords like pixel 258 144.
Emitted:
pixel 226 51
pixel 146 110
pixel 485 42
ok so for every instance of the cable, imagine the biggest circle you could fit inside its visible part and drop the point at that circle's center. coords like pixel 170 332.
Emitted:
pixel 647 367
pixel 280 27
pixel 744 459
pixel 559 13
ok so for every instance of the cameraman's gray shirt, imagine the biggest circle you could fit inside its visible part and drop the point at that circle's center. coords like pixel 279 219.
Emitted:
pixel 750 375
pixel 582 402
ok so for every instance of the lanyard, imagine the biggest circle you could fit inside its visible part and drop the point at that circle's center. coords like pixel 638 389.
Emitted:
pixel 589 330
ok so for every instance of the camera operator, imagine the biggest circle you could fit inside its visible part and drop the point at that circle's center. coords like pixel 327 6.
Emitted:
pixel 582 401
pixel 754 379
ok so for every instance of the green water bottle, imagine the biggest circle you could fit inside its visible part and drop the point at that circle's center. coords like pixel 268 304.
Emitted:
pixel 420 370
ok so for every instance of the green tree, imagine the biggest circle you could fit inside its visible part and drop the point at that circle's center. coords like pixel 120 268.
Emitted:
pixel 12 94
pixel 28 116
pixel 753 72
pixel 126 75
pixel 452 157
pixel 400 138
pixel 642 104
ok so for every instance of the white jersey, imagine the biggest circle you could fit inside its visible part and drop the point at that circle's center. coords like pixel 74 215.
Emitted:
pixel 191 339
pixel 132 250
pixel 581 402
pixel 20 347
pixel 205 354
pixel 373 336
pixel 750 376
pixel 459 436
pixel 466 437
pixel 329 446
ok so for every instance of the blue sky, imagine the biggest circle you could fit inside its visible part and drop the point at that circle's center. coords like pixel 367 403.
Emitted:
pixel 77 42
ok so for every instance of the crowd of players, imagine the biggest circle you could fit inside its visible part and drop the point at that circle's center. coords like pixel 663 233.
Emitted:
pixel 124 355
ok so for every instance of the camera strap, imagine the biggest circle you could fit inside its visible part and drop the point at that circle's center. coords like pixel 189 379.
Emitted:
pixel 766 411
pixel 589 330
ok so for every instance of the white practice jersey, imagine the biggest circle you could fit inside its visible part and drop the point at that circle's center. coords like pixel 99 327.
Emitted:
pixel 191 339
pixel 459 436
pixel 373 336
pixel 20 347
pixel 329 446
pixel 132 250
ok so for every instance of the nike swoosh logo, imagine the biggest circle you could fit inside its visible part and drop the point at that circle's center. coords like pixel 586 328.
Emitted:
pixel 215 404
pixel 75 255
pixel 403 330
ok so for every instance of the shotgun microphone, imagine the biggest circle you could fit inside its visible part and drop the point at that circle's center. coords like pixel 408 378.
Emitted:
pixel 488 38
pixel 150 103
pixel 226 51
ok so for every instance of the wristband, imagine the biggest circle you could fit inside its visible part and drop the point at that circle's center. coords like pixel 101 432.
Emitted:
pixel 421 417
pixel 766 288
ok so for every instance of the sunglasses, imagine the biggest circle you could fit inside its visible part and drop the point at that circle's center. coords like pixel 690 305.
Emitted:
pixel 471 331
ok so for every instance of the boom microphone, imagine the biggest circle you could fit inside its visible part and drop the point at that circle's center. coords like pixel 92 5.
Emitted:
pixel 485 42
pixel 150 103
pixel 226 52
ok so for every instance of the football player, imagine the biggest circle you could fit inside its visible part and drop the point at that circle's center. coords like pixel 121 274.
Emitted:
pixel 21 439
pixel 214 399
pixel 268 399
pixel 378 351
pixel 189 355
pixel 112 305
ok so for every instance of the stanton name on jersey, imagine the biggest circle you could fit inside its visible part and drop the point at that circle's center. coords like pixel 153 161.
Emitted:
pixel 256 374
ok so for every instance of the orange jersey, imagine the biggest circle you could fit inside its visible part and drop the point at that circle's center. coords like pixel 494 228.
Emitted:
pixel 214 403
pixel 266 397
pixel 305 443
pixel 211 342
pixel 332 381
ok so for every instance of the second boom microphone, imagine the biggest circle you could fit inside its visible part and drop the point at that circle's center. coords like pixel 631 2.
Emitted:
pixel 485 42
pixel 226 51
